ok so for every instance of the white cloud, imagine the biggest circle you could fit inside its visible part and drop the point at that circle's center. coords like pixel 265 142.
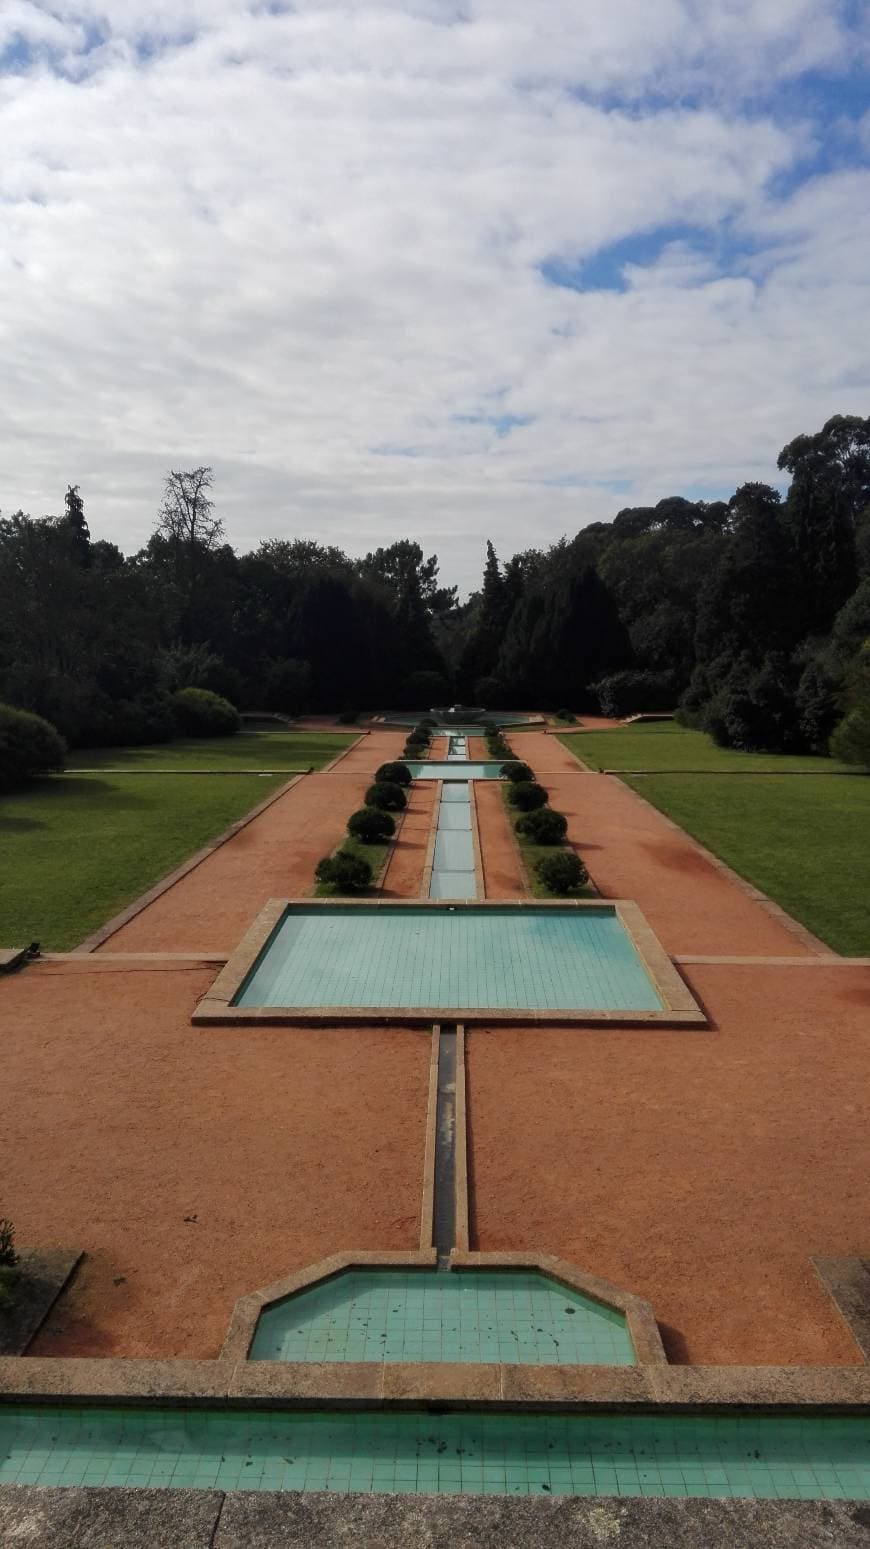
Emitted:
pixel 306 247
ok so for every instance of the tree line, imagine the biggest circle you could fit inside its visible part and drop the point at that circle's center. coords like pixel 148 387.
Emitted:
pixel 748 614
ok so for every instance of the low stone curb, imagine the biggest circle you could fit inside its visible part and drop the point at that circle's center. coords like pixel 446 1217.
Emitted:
pixel 122 1518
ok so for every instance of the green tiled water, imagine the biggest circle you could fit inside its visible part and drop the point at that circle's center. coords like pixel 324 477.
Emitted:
pixel 478 1315
pixel 826 1457
pixel 436 770
pixel 537 958
pixel 453 874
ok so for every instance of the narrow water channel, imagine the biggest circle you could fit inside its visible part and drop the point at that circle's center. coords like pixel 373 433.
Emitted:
pixel 453 874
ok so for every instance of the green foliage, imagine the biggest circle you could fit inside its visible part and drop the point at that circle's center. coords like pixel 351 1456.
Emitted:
pixel 631 692
pixel 515 770
pixel 543 826
pixel 386 795
pixel 566 715
pixel 850 741
pixel 29 747
pixel 200 713
pixel 371 825
pixel 394 773
pixel 562 874
pixel 348 716
pixel 526 795
pixel 414 750
pixel 8 1256
pixel 344 873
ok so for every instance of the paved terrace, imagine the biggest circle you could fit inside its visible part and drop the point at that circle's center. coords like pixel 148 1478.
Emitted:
pixel 698 1169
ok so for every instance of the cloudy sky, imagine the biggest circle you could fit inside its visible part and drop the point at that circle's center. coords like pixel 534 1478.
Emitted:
pixel 436 268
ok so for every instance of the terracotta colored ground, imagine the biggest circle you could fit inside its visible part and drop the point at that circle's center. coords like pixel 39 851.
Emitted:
pixel 502 868
pixel 120 1120
pixel 545 753
pixel 701 1170
pixel 631 852
pixel 404 878
pixel 274 857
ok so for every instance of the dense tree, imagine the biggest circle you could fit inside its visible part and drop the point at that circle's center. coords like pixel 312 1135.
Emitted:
pixel 751 612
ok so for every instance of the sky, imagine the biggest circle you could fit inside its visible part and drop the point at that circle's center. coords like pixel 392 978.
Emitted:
pixel 443 269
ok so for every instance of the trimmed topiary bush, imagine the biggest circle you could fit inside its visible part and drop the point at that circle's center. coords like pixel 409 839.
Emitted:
pixel 420 734
pixel 562 874
pixel 348 716
pixel 565 715
pixel 526 795
pixel 371 825
pixel 543 826
pixel 397 773
pixel 346 873
pixel 29 747
pixel 386 795
pixel 516 770
pixel 428 721
pixel 200 713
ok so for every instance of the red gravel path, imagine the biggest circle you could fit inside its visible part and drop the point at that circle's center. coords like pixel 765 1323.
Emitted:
pixel 274 857
pixel 404 877
pixel 701 1170
pixel 120 1120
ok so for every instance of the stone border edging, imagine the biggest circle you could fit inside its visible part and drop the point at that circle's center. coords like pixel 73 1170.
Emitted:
pixel 216 1008
pixel 748 889
pixel 238 1383
pixel 91 1516
pixel 98 937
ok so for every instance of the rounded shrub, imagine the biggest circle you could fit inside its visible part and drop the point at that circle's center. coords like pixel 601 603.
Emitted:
pixel 347 716
pixel 371 825
pixel 543 826
pixel 386 795
pixel 428 721
pixel 29 747
pixel 562 874
pixel 200 713
pixel 526 795
pixel 420 734
pixel 346 873
pixel 565 715
pixel 516 770
pixel 397 773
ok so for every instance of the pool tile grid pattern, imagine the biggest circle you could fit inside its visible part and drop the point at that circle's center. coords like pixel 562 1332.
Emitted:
pixel 782 1457
pixel 453 874
pixel 511 1317
pixel 550 960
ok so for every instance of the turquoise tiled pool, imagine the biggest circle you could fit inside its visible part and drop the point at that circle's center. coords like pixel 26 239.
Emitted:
pixel 508 1316
pixel 826 1457
pixel 433 769
pixel 453 873
pixel 465 957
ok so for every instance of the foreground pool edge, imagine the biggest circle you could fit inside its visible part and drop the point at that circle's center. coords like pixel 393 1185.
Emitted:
pixel 679 1006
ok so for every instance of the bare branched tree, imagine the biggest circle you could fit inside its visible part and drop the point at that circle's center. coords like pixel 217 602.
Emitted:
pixel 186 514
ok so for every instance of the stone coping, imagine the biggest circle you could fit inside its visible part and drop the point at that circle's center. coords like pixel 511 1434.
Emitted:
pixel 229 1383
pixel 12 958
pixel 679 1005
pixel 97 1517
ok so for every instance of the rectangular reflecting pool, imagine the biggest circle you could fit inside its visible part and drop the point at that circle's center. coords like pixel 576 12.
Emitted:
pixel 823 1457
pixel 453 770
pixel 539 958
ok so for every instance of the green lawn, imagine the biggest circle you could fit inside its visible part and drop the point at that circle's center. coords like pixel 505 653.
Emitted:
pixel 663 745
pixel 77 849
pixel 803 842
pixel 248 750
